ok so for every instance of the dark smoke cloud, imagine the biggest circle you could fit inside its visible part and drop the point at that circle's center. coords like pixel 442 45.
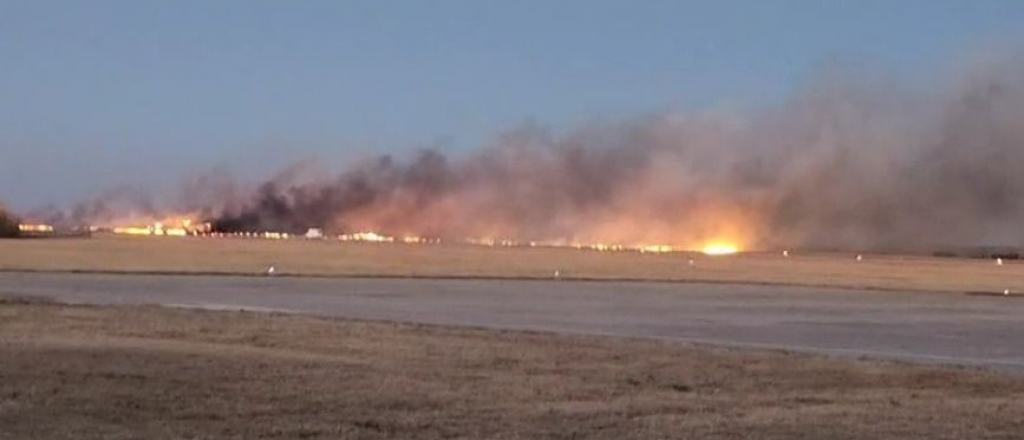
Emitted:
pixel 846 162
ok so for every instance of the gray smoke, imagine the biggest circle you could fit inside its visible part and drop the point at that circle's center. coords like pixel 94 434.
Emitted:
pixel 846 162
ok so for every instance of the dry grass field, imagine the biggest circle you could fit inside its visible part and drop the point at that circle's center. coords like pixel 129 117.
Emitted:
pixel 81 372
pixel 332 258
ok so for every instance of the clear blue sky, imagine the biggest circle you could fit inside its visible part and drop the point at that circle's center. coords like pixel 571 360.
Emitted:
pixel 98 93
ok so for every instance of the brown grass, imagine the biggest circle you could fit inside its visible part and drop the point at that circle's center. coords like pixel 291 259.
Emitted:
pixel 332 258
pixel 146 372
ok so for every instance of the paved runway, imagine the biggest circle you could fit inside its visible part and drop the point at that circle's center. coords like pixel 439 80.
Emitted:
pixel 930 327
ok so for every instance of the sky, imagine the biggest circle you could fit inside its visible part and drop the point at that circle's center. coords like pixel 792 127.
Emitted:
pixel 99 94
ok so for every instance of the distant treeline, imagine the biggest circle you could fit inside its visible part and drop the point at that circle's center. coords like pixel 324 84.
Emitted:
pixel 8 224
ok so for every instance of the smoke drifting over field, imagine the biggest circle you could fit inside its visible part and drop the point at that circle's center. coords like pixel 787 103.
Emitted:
pixel 846 162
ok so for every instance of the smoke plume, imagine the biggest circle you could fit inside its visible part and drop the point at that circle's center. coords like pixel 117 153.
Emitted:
pixel 844 163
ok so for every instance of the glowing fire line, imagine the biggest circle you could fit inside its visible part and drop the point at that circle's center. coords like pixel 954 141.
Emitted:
pixel 718 248
pixel 185 226
pixel 38 228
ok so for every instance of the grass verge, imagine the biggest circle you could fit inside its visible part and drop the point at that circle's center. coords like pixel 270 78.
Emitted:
pixel 149 372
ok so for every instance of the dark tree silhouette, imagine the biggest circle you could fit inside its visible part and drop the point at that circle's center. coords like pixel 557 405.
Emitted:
pixel 8 224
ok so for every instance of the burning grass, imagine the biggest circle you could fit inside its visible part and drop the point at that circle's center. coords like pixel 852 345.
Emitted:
pixel 333 258
pixel 147 372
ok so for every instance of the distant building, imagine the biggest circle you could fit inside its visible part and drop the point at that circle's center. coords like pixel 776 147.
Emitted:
pixel 314 233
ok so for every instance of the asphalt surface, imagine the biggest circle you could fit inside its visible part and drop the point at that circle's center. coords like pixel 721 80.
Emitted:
pixel 928 327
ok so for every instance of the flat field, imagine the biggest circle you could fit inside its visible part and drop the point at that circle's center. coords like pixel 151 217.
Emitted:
pixel 333 258
pixel 82 372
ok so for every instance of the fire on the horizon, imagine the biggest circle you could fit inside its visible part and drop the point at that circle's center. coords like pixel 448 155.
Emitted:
pixel 178 226
pixel 35 228
pixel 719 248
pixel 842 164
pixel 184 226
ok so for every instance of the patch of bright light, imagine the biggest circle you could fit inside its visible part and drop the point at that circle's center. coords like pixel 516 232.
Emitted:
pixel 719 249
